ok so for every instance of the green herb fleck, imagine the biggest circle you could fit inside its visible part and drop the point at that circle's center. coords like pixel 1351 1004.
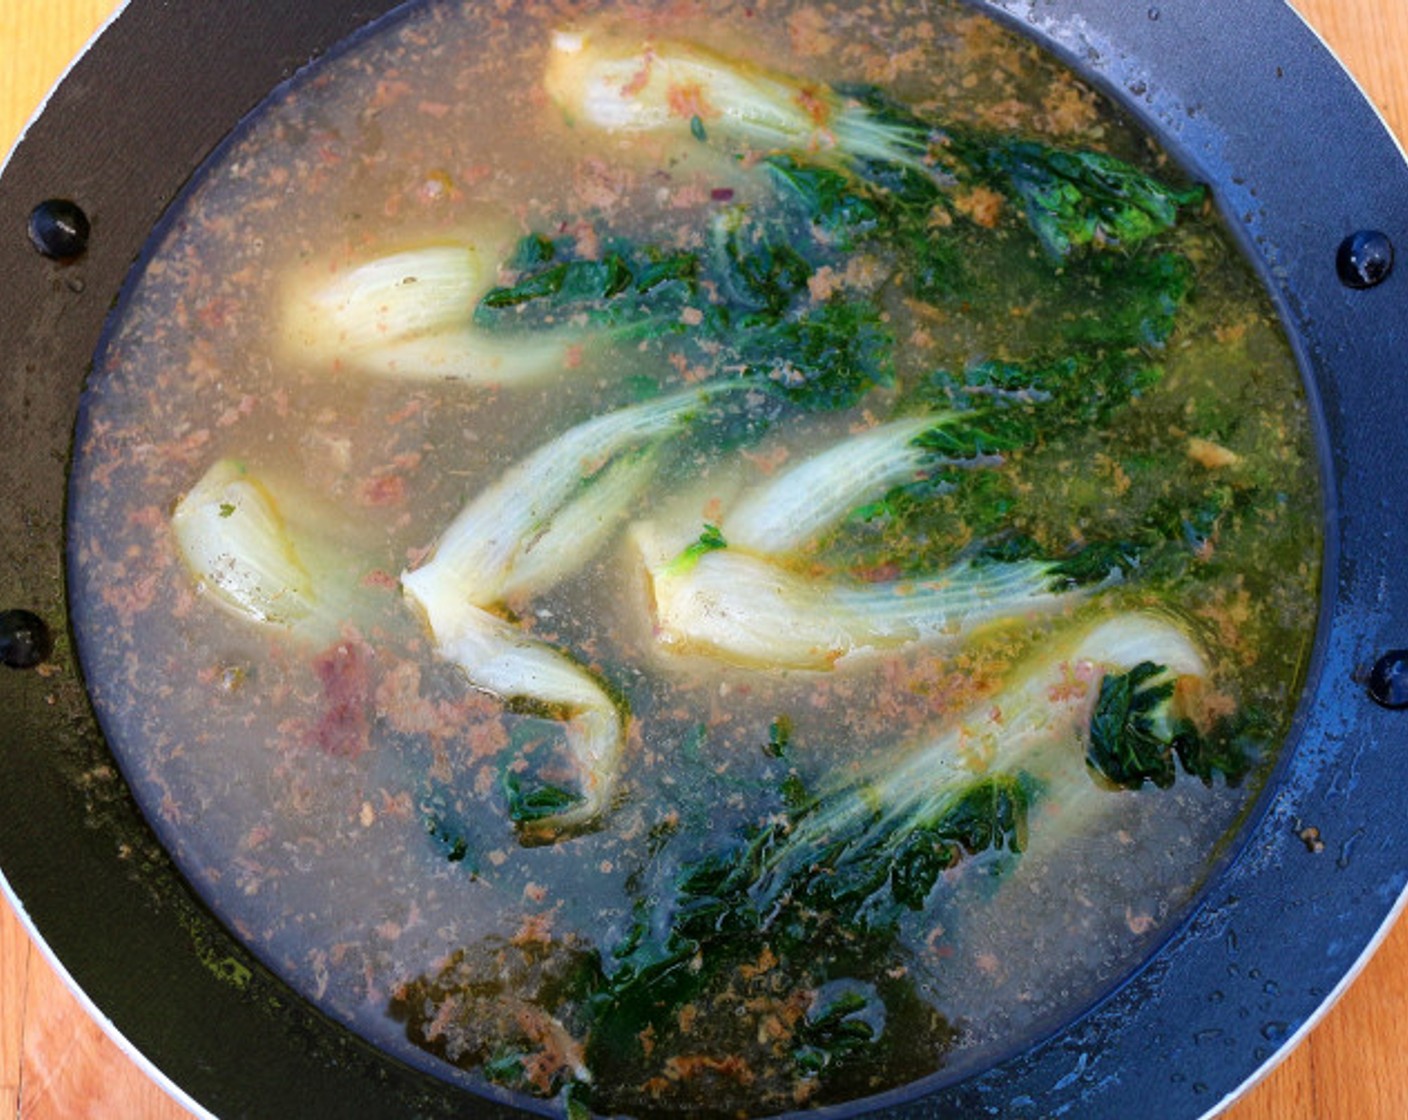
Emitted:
pixel 711 539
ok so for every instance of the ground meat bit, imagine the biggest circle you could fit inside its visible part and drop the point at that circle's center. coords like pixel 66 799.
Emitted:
pixel 693 1067
pixel 382 490
pixel 600 184
pixel 982 206
pixel 823 283
pixel 1211 456
pixel 807 29
pixel 399 700
pixel 1070 109
pixel 497 998
pixel 344 727
pixel 132 596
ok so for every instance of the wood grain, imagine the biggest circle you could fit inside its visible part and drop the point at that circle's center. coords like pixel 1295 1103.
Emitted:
pixel 56 1063
pixel 14 976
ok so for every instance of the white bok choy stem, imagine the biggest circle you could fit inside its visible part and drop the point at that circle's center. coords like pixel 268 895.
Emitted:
pixel 496 656
pixel 261 554
pixel 546 516
pixel 748 611
pixel 537 524
pixel 804 501
pixel 742 594
pixel 408 315
pixel 633 85
pixel 1036 726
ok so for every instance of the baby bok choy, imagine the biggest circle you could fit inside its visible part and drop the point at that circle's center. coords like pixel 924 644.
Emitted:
pixel 749 611
pixel 626 85
pixel 538 523
pixel 263 552
pixel 805 501
pixel 742 595
pixel 898 167
pixel 1052 724
pixel 409 315
pixel 821 886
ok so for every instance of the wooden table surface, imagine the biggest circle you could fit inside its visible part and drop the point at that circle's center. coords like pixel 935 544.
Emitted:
pixel 56 1063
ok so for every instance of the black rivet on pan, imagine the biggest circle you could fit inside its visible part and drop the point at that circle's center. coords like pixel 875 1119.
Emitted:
pixel 59 229
pixel 1388 679
pixel 1365 259
pixel 24 639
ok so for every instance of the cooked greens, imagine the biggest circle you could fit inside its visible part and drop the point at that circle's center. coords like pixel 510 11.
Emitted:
pixel 1135 735
pixel 1076 199
pixel 620 84
pixel 840 868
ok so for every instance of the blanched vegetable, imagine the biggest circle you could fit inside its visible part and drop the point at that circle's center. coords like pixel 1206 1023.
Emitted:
pixel 1076 199
pixel 578 530
pixel 844 867
pixel 751 313
pixel 619 284
pixel 810 498
pixel 548 514
pixel 394 297
pixel 1037 726
pixel 806 500
pixel 408 315
pixel 1136 735
pixel 749 611
pixel 877 845
pixel 542 520
pixel 240 543
pixel 902 165
pixel 746 593
pixel 629 85
pixel 499 658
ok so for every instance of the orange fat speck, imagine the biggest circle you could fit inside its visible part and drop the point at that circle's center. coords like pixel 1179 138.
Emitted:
pixel 815 106
pixel 641 78
pixel 688 101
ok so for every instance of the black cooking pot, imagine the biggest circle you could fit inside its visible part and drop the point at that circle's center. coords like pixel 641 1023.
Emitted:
pixel 1241 94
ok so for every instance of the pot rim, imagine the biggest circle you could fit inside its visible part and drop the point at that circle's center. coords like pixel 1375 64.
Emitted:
pixel 1215 84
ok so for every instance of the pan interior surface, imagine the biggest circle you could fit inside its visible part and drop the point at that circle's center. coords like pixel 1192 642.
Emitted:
pixel 398 826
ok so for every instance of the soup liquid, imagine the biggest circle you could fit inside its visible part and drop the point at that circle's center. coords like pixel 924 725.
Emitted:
pixel 367 855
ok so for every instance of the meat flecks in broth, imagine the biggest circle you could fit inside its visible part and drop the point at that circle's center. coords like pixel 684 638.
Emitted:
pixel 699 565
